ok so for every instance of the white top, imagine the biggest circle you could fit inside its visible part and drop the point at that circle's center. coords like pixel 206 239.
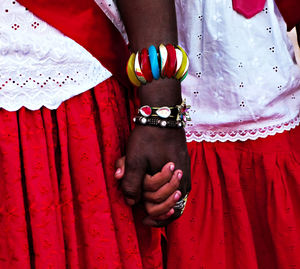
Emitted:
pixel 243 82
pixel 39 66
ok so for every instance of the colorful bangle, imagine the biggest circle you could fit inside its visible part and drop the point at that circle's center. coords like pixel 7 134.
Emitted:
pixel 170 61
pixel 130 71
pixel 184 66
pixel 154 62
pixel 179 59
pixel 137 69
pixel 145 65
pixel 163 54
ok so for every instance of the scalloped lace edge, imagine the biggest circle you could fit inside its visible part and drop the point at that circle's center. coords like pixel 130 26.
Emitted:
pixel 49 99
pixel 243 135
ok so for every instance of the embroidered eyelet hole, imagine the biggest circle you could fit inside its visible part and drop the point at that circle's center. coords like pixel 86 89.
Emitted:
pixel 198 74
pixel 272 49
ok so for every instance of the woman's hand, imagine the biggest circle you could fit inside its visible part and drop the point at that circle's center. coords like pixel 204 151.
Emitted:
pixel 161 191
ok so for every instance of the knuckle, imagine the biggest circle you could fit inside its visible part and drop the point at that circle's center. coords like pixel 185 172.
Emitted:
pixel 156 198
pixel 150 210
pixel 150 187
pixel 174 184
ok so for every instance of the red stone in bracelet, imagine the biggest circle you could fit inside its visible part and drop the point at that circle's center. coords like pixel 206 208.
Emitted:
pixel 171 61
pixel 145 65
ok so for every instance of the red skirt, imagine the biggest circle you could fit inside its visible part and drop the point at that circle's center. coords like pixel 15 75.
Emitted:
pixel 60 206
pixel 244 207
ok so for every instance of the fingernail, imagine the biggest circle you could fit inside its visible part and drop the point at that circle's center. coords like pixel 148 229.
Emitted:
pixel 171 212
pixel 172 167
pixel 179 176
pixel 118 171
pixel 130 202
pixel 177 196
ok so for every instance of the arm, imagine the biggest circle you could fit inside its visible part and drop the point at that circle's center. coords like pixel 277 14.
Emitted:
pixel 151 22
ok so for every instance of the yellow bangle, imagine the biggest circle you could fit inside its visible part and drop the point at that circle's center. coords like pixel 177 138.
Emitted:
pixel 130 71
pixel 184 66
pixel 179 59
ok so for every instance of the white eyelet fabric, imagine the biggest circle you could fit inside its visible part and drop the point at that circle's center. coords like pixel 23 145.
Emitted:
pixel 243 81
pixel 39 66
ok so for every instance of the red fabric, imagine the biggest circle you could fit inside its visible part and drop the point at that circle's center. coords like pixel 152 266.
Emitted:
pixel 60 206
pixel 290 10
pixel 244 207
pixel 84 22
pixel 248 8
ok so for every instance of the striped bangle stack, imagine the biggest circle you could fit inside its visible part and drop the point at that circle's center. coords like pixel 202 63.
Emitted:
pixel 168 61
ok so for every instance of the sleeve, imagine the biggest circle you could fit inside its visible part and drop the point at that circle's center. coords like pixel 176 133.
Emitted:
pixel 110 9
pixel 290 11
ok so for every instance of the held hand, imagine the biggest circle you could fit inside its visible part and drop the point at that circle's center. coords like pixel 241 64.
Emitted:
pixel 149 148
pixel 160 192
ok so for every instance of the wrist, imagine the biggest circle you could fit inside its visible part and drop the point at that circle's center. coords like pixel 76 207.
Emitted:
pixel 163 92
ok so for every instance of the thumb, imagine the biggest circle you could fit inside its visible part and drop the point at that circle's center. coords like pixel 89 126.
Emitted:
pixel 132 181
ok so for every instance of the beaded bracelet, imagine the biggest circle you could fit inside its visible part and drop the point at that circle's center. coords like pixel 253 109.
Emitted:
pixel 172 117
pixel 168 61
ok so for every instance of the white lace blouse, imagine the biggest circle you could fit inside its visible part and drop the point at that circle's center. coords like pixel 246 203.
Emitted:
pixel 39 66
pixel 243 82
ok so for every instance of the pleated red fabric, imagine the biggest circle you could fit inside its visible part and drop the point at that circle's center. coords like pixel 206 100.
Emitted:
pixel 244 207
pixel 60 206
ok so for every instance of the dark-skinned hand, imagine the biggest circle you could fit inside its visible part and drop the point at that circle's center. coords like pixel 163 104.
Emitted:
pixel 149 149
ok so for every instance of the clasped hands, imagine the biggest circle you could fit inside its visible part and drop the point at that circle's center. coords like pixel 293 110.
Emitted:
pixel 155 172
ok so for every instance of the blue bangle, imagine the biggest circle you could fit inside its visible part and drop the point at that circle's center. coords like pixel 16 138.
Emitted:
pixel 154 62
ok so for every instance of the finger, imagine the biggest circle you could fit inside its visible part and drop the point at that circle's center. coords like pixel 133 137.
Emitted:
pixel 120 168
pixel 166 215
pixel 157 223
pixel 165 191
pixel 155 210
pixel 132 180
pixel 153 183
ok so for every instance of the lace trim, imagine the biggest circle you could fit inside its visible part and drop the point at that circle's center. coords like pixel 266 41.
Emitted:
pixel 39 65
pixel 242 135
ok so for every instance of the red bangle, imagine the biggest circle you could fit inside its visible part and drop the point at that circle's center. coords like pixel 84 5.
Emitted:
pixel 145 65
pixel 171 61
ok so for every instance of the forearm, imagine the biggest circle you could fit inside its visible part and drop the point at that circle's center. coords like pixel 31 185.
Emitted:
pixel 152 22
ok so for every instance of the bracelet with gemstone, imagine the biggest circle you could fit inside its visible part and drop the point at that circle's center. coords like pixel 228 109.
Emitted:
pixel 158 122
pixel 174 116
